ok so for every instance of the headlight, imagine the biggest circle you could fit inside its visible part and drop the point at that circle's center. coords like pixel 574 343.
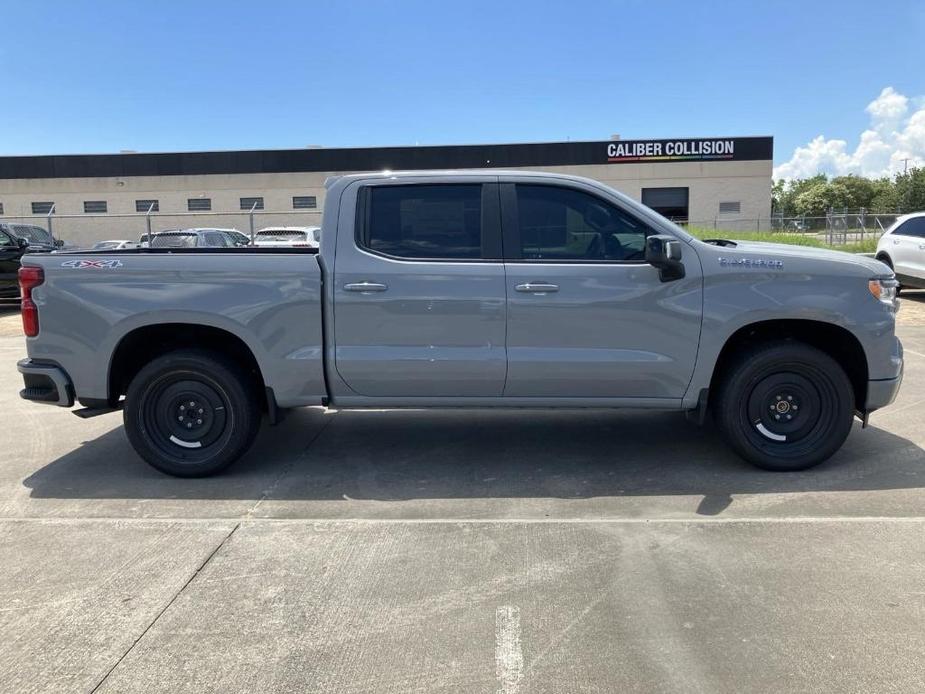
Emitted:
pixel 884 291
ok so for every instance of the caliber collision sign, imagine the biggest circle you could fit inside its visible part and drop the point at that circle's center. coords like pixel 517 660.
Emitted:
pixel 688 150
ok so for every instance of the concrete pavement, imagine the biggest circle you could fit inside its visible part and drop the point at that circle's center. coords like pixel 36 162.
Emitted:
pixel 462 551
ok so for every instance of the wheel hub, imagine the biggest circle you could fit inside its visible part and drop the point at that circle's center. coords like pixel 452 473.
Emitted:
pixel 784 407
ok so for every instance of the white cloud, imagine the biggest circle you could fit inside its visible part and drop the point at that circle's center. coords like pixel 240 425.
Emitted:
pixel 894 134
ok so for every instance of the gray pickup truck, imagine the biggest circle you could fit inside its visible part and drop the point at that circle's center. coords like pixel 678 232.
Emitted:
pixel 466 289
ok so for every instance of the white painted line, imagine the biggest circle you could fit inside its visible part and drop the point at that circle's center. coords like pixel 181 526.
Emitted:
pixel 509 658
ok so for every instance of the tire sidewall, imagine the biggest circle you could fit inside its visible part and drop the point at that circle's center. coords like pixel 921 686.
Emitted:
pixel 219 374
pixel 758 364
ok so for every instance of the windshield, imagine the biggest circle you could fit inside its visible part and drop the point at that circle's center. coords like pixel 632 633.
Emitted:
pixel 174 241
pixel 31 233
pixel 105 245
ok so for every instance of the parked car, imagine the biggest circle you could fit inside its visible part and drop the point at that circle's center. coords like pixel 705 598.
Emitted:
pixel 239 237
pixel 902 248
pixel 12 248
pixel 192 238
pixel 114 245
pixel 40 241
pixel 296 237
pixel 468 289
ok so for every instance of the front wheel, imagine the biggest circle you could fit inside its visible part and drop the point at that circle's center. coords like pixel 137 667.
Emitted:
pixel 191 413
pixel 785 406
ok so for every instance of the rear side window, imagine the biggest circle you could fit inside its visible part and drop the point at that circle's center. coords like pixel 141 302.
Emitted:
pixel 912 227
pixel 423 221
pixel 557 223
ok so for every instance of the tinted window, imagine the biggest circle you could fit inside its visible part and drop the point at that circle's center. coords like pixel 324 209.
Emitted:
pixel 304 202
pixel 912 227
pixel 199 204
pixel 567 224
pixel 145 205
pixel 174 241
pixel 426 221
pixel 31 233
pixel 7 240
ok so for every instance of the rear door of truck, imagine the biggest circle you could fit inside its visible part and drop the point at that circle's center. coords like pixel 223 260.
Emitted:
pixel 419 289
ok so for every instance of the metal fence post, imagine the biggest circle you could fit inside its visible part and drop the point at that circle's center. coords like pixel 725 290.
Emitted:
pixel 48 217
pixel 253 207
pixel 148 222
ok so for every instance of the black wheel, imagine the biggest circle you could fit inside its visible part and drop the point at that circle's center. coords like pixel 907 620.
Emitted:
pixel 785 406
pixel 191 413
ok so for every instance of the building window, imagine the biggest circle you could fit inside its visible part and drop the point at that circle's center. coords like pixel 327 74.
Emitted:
pixel 94 206
pixel 42 207
pixel 199 204
pixel 145 205
pixel 1 208
pixel 249 204
pixel 304 202
pixel 668 202
pixel 730 207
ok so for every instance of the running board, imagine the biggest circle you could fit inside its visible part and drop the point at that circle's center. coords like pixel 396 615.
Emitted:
pixel 88 412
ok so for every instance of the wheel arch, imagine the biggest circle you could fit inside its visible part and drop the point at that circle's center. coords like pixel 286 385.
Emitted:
pixel 144 343
pixel 838 342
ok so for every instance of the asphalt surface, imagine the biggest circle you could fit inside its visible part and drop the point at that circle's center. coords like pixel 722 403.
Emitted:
pixel 515 551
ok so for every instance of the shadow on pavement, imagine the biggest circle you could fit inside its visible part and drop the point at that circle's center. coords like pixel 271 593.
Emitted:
pixel 454 454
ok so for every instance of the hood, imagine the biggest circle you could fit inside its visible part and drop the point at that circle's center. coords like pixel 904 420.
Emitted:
pixel 784 250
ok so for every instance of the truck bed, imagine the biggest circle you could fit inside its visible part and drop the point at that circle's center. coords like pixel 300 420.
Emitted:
pixel 90 303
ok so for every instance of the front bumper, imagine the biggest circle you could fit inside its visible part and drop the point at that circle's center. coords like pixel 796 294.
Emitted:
pixel 45 383
pixel 882 391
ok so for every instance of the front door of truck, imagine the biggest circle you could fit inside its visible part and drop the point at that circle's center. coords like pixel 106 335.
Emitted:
pixel 419 290
pixel 587 316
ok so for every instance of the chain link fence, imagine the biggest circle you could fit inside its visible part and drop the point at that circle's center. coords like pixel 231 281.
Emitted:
pixel 84 230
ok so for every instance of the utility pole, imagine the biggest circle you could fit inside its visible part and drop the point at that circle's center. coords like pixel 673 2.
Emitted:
pixel 905 164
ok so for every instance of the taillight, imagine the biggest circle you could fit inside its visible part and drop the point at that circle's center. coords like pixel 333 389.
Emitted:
pixel 30 278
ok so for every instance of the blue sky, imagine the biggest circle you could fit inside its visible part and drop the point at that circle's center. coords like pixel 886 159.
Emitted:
pixel 106 76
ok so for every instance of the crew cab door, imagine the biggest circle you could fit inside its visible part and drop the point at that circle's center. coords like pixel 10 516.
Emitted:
pixel 10 253
pixel 587 316
pixel 419 290
pixel 907 248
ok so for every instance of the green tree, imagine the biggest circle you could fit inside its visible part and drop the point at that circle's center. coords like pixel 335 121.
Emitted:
pixel 910 190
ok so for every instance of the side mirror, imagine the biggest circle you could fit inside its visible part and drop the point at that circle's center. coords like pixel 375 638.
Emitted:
pixel 59 243
pixel 664 252
pixel 23 243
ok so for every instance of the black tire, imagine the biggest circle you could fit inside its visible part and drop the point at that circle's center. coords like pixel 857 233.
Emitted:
pixel 784 405
pixel 221 398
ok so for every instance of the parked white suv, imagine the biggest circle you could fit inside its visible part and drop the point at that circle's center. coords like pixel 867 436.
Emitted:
pixel 902 247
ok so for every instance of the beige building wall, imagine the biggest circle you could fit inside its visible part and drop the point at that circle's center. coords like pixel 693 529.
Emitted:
pixel 746 182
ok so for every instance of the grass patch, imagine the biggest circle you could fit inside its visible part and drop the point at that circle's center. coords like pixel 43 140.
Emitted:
pixel 868 245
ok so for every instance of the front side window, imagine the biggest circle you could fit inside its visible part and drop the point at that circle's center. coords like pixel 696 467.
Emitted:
pixel 424 221
pixel 568 224
pixel 6 239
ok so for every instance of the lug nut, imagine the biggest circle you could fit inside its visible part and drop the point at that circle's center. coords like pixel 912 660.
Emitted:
pixel 198 421
pixel 789 397
pixel 189 425
pixel 777 417
pixel 180 418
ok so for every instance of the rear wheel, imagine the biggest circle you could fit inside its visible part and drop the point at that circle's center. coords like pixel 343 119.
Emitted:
pixel 785 406
pixel 191 413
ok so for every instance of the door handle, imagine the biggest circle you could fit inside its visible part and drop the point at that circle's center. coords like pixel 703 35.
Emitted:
pixel 365 287
pixel 537 287
pixel 922 246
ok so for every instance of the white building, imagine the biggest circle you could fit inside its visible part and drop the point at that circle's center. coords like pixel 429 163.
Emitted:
pixel 721 182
